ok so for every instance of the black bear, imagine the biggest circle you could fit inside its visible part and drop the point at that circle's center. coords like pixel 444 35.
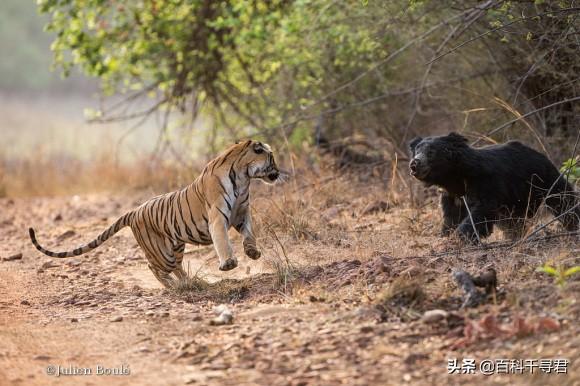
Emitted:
pixel 502 185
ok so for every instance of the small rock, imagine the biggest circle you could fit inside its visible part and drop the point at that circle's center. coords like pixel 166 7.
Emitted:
pixel 221 309
pixel 314 299
pixel 116 319
pixel 366 329
pixel 41 357
pixel 66 235
pixel 58 217
pixel 25 302
pixel 48 264
pixel 17 256
pixel 225 316
pixel 74 320
pixel 197 318
pixel 149 313
pixel 222 319
pixel 434 316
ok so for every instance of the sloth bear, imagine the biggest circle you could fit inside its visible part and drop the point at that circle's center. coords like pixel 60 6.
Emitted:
pixel 502 185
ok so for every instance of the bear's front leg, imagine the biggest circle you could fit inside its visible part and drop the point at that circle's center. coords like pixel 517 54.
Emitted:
pixel 244 227
pixel 479 224
pixel 453 213
pixel 218 229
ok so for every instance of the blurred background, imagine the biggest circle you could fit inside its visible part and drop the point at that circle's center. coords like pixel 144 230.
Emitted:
pixel 106 95
pixel 45 139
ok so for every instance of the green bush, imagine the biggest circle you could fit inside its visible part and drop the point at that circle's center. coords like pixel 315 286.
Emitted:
pixel 571 169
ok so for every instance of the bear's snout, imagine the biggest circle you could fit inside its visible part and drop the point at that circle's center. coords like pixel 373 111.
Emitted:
pixel 413 165
pixel 418 167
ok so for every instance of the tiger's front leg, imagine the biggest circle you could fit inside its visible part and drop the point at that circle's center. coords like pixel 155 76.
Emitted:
pixel 218 229
pixel 244 227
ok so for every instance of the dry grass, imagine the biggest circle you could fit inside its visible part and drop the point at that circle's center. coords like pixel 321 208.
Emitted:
pixel 42 175
pixel 318 219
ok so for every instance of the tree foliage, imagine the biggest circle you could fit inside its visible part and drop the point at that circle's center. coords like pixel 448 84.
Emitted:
pixel 276 67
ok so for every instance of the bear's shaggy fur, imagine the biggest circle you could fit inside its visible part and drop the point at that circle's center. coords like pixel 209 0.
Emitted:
pixel 502 185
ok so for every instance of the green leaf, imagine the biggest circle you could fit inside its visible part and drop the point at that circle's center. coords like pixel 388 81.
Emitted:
pixel 549 270
pixel 571 271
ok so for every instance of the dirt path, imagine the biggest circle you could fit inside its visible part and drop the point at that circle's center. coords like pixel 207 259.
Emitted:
pixel 106 310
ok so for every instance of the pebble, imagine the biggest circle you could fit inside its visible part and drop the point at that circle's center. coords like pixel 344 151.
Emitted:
pixel 17 256
pixel 225 316
pixel 366 329
pixel 66 235
pixel 218 310
pixel 117 319
pixel 74 320
pixel 48 264
pixel 434 316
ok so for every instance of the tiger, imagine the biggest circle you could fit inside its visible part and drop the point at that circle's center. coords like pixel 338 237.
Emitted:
pixel 200 214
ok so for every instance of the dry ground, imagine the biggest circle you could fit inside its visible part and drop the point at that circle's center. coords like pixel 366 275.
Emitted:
pixel 348 269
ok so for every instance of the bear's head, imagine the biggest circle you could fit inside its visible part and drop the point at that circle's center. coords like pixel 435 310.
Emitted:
pixel 436 159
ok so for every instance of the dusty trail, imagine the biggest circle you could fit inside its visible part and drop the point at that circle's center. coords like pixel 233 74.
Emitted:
pixel 106 309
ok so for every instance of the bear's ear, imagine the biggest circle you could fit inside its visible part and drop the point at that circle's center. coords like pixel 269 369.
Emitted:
pixel 458 138
pixel 413 144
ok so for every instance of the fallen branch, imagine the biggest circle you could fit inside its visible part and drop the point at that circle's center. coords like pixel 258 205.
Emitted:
pixel 467 283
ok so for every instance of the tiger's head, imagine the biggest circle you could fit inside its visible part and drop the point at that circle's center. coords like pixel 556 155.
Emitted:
pixel 259 161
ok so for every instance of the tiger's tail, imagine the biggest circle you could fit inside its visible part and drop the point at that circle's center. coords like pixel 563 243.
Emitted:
pixel 122 222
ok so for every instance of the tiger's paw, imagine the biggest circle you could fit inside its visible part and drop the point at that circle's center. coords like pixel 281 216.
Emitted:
pixel 229 264
pixel 252 252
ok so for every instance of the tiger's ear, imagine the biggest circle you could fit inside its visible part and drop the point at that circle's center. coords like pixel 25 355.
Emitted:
pixel 258 147
pixel 243 141
pixel 413 144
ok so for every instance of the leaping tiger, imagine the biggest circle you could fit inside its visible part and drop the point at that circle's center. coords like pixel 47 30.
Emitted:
pixel 201 213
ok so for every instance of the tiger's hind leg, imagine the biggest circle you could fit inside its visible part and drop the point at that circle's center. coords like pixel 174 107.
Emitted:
pixel 159 253
pixel 163 277
pixel 178 250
